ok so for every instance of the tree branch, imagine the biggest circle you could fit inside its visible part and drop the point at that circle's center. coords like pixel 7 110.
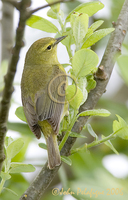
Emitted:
pixel 8 89
pixel 37 188
pixel 13 3
pixel 7 36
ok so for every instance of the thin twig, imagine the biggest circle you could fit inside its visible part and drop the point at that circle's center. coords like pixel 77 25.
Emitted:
pixel 38 187
pixel 50 4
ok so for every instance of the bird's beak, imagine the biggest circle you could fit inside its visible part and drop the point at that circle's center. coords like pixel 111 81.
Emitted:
pixel 59 39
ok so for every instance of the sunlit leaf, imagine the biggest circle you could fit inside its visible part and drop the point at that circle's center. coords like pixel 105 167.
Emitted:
pixel 82 83
pixel 89 32
pixel 21 167
pixel 79 26
pixel 119 124
pixel 74 96
pixel 96 25
pixel 89 8
pixel 83 62
pixel 96 36
pixel 14 147
pixel 8 141
pixel 95 112
pixel 52 14
pixel 41 24
pixel 5 175
pixel 68 40
pixel 55 7
pixel 120 128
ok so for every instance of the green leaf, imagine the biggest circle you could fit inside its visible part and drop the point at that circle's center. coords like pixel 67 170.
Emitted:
pixel 74 96
pixel 91 131
pixel 95 112
pixel 20 114
pixel 118 124
pixel 120 128
pixel 20 167
pixel 14 148
pixel 67 160
pixel 55 7
pixel 123 132
pixel 122 62
pixel 43 146
pixel 89 8
pixel 96 25
pixel 96 36
pixel 5 175
pixel 73 134
pixel 90 32
pixel 41 24
pixel 83 62
pixel 8 141
pixel 110 145
pixel 91 84
pixel 93 27
pixel 52 14
pixel 68 40
pixel 82 83
pixel 79 26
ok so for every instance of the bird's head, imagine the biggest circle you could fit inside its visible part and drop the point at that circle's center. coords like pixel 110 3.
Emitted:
pixel 43 51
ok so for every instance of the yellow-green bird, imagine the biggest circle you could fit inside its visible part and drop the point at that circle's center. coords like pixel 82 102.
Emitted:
pixel 43 93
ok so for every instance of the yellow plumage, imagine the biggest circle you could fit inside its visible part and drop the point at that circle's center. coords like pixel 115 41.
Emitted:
pixel 43 103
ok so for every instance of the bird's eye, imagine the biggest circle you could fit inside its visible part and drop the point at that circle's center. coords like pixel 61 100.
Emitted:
pixel 49 47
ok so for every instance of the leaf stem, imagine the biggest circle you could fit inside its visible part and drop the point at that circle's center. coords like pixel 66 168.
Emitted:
pixel 69 53
pixel 94 143
pixel 60 22
pixel 68 131
pixel 2 185
pixel 97 142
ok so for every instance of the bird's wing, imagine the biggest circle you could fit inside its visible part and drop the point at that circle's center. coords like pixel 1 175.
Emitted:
pixel 49 99
pixel 31 117
pixel 50 103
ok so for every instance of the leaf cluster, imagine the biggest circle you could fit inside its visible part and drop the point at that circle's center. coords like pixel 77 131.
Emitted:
pixel 82 60
pixel 12 148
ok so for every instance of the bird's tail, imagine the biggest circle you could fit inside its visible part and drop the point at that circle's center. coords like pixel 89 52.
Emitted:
pixel 53 151
pixel 52 145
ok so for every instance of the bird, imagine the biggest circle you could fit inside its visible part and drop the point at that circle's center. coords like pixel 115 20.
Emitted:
pixel 43 86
